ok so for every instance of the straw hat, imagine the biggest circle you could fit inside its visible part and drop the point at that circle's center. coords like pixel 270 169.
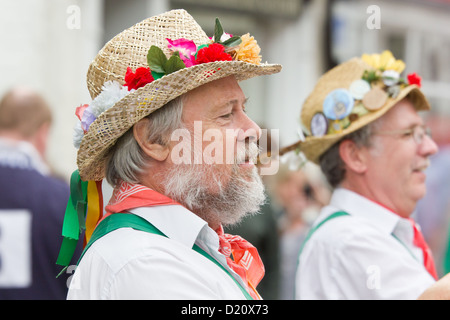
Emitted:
pixel 350 96
pixel 115 108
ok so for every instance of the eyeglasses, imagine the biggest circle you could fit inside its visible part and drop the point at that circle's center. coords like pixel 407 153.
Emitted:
pixel 417 132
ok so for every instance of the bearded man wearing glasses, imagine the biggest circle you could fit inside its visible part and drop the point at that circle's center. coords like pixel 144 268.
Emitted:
pixel 366 134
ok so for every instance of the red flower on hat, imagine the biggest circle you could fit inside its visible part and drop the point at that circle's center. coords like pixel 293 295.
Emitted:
pixel 138 79
pixel 211 53
pixel 413 78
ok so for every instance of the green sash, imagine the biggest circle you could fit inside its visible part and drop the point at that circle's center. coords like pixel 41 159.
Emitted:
pixel 126 220
pixel 314 229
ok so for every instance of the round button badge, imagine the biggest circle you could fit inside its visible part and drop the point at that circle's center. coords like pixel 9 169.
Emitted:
pixel 319 125
pixel 390 77
pixel 338 104
pixel 359 88
pixel 375 99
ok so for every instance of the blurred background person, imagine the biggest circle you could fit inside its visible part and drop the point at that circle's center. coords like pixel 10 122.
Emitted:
pixel 433 211
pixel 299 194
pixel 32 202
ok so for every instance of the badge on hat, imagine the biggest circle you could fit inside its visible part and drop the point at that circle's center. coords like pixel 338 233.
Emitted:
pixel 359 88
pixel 338 104
pixel 375 99
pixel 319 125
pixel 390 77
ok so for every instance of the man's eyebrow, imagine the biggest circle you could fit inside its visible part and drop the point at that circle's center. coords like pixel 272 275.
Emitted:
pixel 231 103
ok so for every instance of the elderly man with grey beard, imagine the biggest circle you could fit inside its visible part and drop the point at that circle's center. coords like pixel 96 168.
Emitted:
pixel 160 134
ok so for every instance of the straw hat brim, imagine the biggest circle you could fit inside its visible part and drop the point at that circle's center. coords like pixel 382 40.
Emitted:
pixel 113 123
pixel 314 147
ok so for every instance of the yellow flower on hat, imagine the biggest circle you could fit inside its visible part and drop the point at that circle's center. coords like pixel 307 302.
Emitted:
pixel 384 61
pixel 248 50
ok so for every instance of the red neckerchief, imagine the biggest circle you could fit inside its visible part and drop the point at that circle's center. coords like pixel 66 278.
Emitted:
pixel 247 263
pixel 128 196
pixel 419 241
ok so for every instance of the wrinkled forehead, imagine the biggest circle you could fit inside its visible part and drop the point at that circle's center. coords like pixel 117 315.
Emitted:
pixel 402 115
pixel 212 96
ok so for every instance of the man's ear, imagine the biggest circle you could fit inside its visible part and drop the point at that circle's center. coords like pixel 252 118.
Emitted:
pixel 153 150
pixel 353 156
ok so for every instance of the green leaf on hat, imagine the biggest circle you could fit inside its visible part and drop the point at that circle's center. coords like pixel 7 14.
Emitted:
pixel 156 59
pixel 218 31
pixel 157 75
pixel 233 41
pixel 174 63
pixel 370 76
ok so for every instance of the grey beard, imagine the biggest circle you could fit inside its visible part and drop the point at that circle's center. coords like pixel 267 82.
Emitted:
pixel 201 189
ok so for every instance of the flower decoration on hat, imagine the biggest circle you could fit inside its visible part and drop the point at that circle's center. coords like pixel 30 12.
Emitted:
pixel 343 106
pixel 111 93
pixel 184 53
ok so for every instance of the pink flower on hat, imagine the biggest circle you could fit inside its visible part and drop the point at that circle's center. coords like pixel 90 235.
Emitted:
pixel 80 110
pixel 186 49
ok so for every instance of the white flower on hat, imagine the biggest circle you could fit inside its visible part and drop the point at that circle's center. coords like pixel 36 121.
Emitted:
pixel 112 92
pixel 78 134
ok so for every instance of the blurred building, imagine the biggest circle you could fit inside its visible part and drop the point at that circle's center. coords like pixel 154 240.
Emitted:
pixel 48 45
pixel 416 31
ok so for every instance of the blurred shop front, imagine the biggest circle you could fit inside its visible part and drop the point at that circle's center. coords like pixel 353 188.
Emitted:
pixel 286 30
pixel 48 45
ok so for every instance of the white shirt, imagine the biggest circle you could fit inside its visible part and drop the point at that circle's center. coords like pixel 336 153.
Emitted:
pixel 130 264
pixel 356 256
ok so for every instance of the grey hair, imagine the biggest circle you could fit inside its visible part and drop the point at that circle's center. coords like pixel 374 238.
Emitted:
pixel 126 160
pixel 331 163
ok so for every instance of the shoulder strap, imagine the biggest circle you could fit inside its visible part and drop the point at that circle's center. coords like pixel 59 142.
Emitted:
pixel 314 229
pixel 128 220
pixel 117 221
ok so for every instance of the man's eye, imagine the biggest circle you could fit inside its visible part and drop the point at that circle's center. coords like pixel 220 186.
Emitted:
pixel 408 134
pixel 226 116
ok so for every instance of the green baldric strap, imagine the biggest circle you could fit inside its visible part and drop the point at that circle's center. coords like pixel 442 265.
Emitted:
pixel 314 229
pixel 126 220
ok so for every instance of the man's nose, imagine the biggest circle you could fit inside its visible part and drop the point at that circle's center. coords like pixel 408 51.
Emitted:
pixel 249 130
pixel 428 146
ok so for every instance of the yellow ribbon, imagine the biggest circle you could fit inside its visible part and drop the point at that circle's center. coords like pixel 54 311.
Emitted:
pixel 94 207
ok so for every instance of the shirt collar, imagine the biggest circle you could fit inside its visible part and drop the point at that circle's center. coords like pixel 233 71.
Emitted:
pixel 21 154
pixel 175 221
pixel 358 206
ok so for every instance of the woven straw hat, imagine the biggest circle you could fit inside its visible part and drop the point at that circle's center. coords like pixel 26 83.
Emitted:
pixel 371 98
pixel 129 50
